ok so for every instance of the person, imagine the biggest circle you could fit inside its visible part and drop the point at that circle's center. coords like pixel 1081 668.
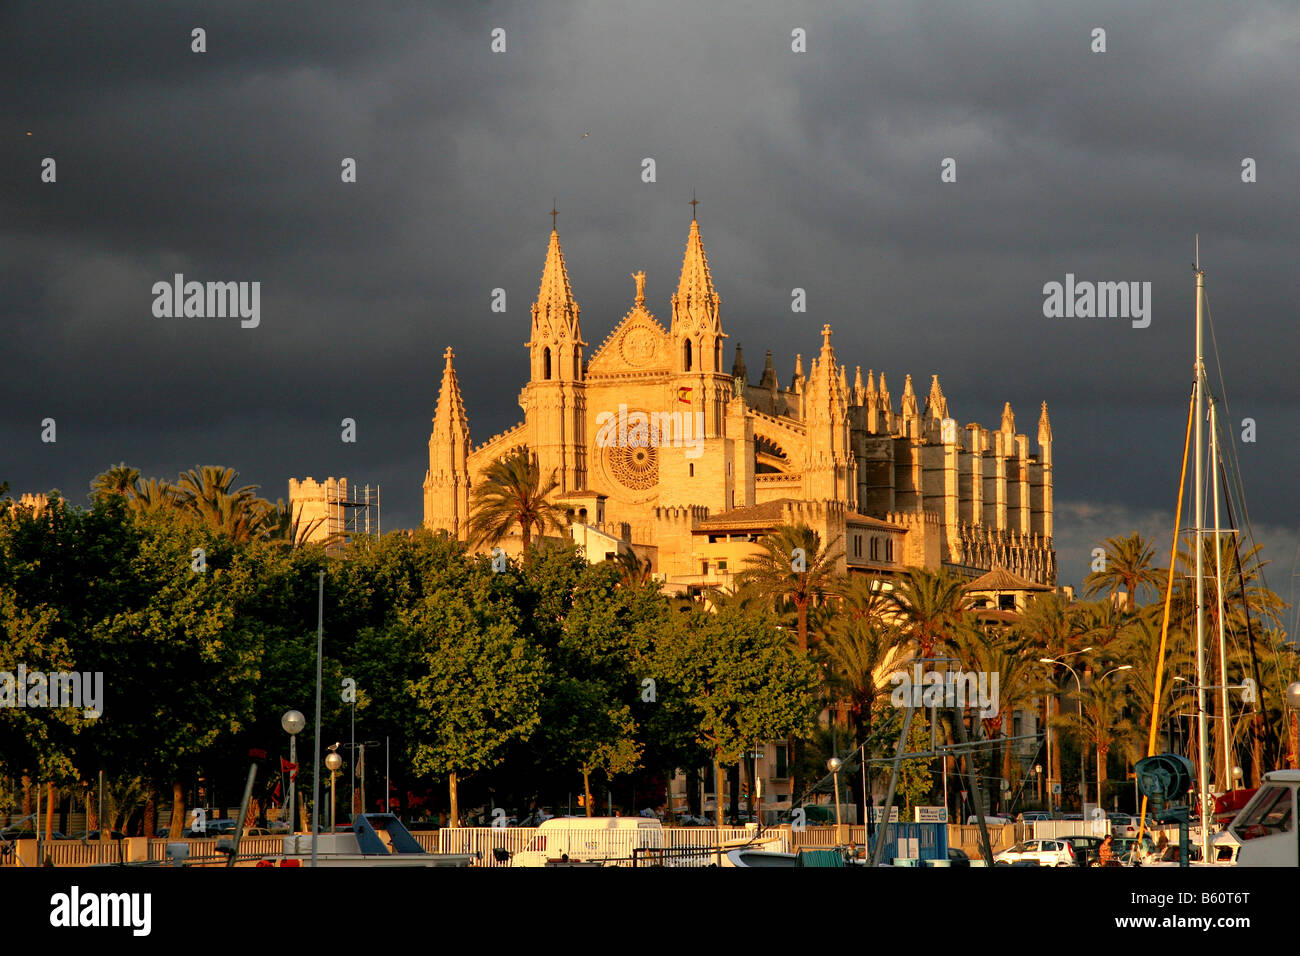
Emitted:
pixel 1106 854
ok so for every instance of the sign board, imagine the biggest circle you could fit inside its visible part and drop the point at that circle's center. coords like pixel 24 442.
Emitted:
pixel 1056 788
pixel 931 814
pixel 877 814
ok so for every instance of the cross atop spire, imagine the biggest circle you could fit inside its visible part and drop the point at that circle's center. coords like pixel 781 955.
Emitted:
pixel 694 202
pixel 554 212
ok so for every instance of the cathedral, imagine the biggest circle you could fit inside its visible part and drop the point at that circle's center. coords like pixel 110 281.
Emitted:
pixel 656 448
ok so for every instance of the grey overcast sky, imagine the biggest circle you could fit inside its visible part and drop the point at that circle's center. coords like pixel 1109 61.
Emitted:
pixel 816 169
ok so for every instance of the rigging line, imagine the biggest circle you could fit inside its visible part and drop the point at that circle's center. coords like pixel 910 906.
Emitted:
pixel 1236 461
pixel 1239 487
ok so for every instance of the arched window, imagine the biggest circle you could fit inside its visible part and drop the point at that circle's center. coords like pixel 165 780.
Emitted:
pixel 717 356
pixel 546 364
pixel 577 365
pixel 686 358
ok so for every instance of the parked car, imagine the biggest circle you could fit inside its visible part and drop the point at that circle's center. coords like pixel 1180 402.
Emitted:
pixel 1086 848
pixel 958 857
pixel 220 828
pixel 1043 852
pixel 84 835
pixel 1123 825
pixel 1031 816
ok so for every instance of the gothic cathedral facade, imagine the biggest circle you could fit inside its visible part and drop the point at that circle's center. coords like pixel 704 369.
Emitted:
pixel 658 449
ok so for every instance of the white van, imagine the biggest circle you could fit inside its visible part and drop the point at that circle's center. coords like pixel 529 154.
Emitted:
pixel 602 840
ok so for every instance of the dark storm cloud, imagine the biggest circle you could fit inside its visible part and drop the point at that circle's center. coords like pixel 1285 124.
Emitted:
pixel 817 170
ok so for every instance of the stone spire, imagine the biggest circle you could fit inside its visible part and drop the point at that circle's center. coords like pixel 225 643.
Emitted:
pixel 449 418
pixel 796 384
pixel 446 483
pixel 1044 427
pixel 936 406
pixel 828 471
pixel 909 409
pixel 695 304
pixel 556 312
pixel 1008 419
pixel 738 369
pixel 769 373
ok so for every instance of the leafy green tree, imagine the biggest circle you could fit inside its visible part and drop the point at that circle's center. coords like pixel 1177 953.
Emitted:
pixel 744 680
pixel 478 681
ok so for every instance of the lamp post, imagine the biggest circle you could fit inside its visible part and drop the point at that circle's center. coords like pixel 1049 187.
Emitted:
pixel 834 765
pixel 1082 749
pixel 333 762
pixel 293 722
pixel 1113 670
pixel 1038 770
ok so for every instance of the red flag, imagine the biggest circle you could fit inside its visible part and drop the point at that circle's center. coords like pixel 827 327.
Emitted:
pixel 684 394
pixel 289 768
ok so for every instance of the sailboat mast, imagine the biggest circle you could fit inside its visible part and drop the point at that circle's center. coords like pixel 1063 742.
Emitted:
pixel 1228 780
pixel 1199 510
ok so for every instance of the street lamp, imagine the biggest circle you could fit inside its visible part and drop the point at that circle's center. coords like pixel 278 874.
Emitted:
pixel 1082 749
pixel 834 765
pixel 332 763
pixel 293 722
pixel 1038 770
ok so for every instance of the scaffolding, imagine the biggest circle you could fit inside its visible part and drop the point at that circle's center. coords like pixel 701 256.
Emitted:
pixel 350 512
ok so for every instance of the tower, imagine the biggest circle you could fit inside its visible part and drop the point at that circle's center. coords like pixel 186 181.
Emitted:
pixel 555 400
pixel 829 472
pixel 698 386
pixel 446 483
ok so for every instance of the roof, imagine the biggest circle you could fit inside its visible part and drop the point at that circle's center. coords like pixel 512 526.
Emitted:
pixel 581 493
pixel 766 514
pixel 1000 579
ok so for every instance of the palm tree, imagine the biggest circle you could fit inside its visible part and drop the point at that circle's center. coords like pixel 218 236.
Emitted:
pixel 792 564
pixel 154 495
pixel 858 654
pixel 1053 627
pixel 932 605
pixel 1139 647
pixel 1128 567
pixel 1101 724
pixel 209 492
pixel 632 571
pixel 284 525
pixel 513 492
pixel 1007 653
pixel 120 479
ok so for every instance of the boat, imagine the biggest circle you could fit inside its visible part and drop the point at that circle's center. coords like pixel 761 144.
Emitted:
pixel 375 840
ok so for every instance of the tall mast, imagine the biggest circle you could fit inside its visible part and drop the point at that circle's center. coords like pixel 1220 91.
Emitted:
pixel 1228 780
pixel 1199 510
